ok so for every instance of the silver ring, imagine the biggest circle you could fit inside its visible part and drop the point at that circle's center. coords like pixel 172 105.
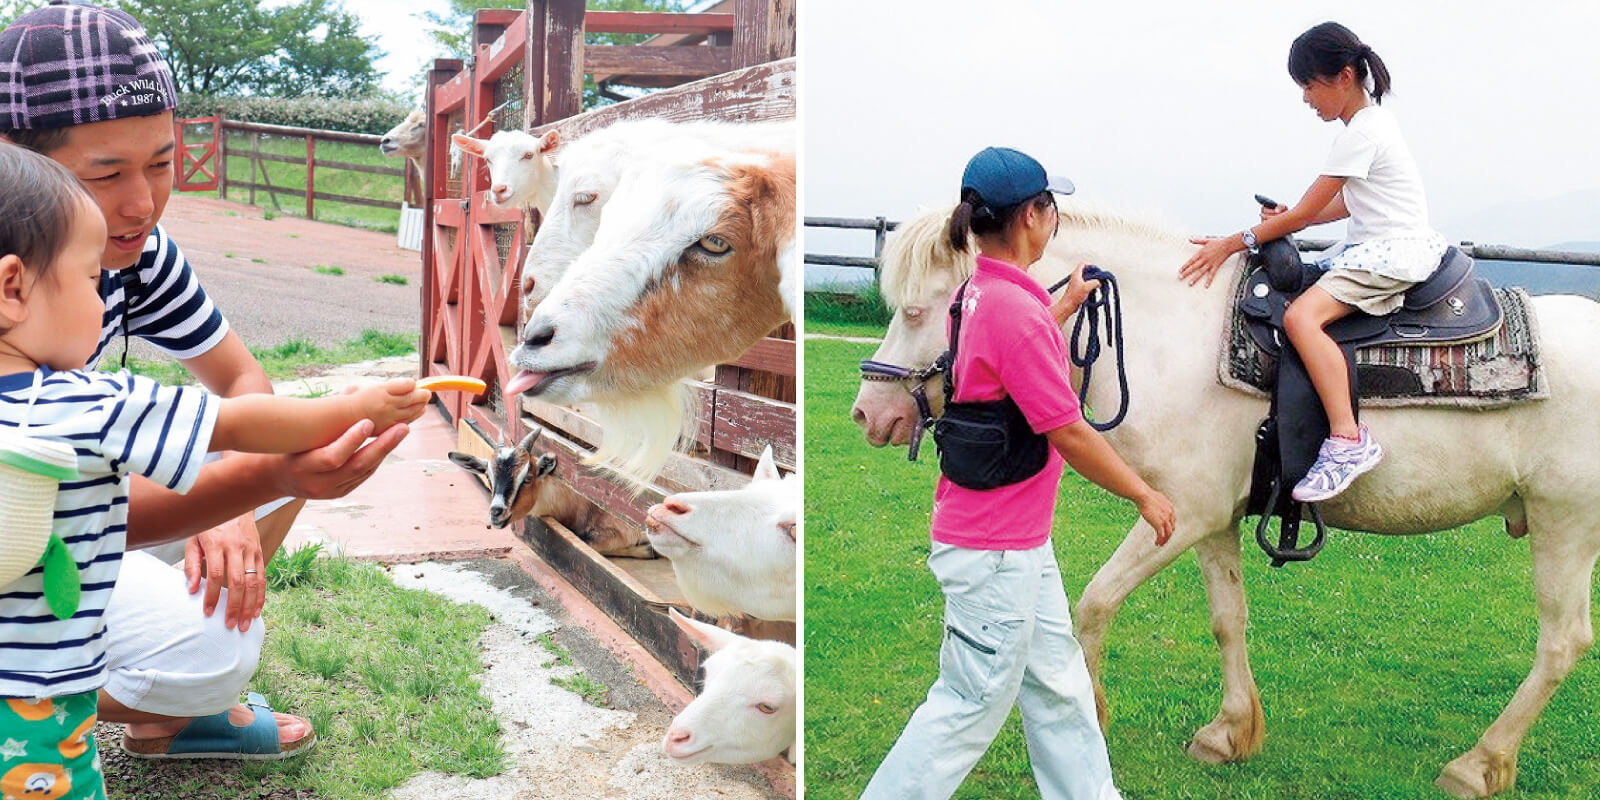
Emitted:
pixel 250 572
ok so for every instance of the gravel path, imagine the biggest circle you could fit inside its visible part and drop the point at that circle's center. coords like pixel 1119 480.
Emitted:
pixel 281 297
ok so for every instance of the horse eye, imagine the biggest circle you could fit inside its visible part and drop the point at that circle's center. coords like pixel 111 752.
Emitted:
pixel 767 708
pixel 715 244
pixel 583 198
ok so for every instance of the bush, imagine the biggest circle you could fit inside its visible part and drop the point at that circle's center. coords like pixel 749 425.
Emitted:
pixel 363 115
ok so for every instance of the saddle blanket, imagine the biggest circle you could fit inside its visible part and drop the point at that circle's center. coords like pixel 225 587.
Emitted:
pixel 1501 370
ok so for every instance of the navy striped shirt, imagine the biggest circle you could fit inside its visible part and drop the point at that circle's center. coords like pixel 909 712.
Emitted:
pixel 159 300
pixel 119 424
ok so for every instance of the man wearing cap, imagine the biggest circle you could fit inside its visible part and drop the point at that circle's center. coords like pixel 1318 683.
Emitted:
pixel 86 87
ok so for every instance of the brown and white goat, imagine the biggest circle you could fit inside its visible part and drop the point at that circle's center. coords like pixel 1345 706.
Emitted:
pixel 522 483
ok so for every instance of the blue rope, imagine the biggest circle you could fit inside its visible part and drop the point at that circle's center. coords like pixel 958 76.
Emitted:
pixel 1105 300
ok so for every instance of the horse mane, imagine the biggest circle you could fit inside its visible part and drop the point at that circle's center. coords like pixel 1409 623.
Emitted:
pixel 919 252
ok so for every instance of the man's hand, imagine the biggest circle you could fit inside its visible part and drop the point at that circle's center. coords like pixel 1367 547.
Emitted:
pixel 222 556
pixel 334 470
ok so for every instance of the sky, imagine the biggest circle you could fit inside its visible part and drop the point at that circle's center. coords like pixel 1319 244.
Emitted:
pixel 1181 110
pixel 398 29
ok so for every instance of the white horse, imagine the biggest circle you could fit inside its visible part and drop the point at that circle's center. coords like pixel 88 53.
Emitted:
pixel 1192 438
pixel 687 268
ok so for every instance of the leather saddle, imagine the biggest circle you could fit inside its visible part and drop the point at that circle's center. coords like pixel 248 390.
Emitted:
pixel 1452 306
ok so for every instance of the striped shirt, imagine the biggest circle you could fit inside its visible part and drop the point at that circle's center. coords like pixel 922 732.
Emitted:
pixel 119 424
pixel 159 300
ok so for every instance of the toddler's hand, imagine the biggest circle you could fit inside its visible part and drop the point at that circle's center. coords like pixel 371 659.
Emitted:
pixel 398 400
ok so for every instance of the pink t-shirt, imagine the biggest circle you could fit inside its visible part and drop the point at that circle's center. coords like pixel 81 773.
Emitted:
pixel 1010 345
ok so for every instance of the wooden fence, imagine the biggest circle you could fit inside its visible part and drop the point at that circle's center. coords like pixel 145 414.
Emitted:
pixel 527 73
pixel 216 151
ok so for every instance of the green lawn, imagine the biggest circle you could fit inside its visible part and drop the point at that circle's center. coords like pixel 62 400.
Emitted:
pixel 1378 662
pixel 328 179
pixel 292 358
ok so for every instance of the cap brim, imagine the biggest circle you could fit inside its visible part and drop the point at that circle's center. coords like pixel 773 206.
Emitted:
pixel 1059 185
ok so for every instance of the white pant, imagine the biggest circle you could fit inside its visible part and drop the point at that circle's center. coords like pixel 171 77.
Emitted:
pixel 163 654
pixel 1007 640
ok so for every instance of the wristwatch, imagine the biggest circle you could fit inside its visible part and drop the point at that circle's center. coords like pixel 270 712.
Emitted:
pixel 1250 243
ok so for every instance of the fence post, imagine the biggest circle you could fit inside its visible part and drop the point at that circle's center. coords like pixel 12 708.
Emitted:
pixel 222 157
pixel 311 172
pixel 879 229
pixel 255 156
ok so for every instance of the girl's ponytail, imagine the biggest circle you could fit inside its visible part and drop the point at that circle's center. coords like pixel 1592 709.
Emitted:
pixel 1379 73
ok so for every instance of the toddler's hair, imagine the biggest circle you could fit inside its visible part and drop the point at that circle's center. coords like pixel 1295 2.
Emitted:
pixel 37 206
pixel 973 217
pixel 1326 49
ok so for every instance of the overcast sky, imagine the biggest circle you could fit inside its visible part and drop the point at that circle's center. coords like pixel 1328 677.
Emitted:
pixel 1184 109
pixel 400 32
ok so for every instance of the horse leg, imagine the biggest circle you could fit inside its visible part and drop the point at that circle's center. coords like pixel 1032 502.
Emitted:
pixel 1563 566
pixel 1237 732
pixel 1136 559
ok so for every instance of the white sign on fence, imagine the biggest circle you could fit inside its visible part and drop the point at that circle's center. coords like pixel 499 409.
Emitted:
pixel 410 235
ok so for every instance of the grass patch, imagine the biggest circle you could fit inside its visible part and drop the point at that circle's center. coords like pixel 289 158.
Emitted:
pixel 294 357
pixel 227 255
pixel 385 674
pixel 289 569
pixel 584 686
pixel 1378 662
pixel 270 215
pixel 562 656
pixel 324 269
pixel 258 261
pixel 397 280
pixel 863 307
pixel 331 180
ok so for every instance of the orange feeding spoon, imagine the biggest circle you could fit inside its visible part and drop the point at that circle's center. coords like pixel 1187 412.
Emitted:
pixel 453 383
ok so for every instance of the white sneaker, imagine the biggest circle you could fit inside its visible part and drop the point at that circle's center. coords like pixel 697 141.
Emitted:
pixel 1339 463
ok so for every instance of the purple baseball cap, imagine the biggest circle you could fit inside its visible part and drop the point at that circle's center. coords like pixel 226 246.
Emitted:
pixel 71 64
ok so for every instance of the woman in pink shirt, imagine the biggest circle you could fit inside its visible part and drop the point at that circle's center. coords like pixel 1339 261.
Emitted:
pixel 1008 631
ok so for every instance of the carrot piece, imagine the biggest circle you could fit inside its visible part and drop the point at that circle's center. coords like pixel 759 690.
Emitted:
pixel 453 383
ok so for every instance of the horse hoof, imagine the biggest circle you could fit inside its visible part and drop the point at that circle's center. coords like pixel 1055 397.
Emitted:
pixel 1477 775
pixel 1213 745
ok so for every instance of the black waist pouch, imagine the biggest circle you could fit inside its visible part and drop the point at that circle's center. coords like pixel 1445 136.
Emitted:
pixel 988 445
pixel 984 445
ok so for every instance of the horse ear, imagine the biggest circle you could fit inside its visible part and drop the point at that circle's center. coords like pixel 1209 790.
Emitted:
pixel 469 462
pixel 467 143
pixel 766 468
pixel 709 637
pixel 549 142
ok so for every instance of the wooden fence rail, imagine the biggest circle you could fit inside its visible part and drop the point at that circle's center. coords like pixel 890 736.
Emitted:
pixel 261 180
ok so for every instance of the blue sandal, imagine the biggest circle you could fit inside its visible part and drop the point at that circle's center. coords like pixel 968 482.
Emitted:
pixel 216 737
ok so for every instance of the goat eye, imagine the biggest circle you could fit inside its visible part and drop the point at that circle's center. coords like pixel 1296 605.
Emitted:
pixel 767 708
pixel 583 198
pixel 528 156
pixel 715 244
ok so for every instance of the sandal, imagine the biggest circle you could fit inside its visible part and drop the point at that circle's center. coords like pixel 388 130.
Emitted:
pixel 216 737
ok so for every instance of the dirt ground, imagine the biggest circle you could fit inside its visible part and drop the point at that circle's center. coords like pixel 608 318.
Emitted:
pixel 281 297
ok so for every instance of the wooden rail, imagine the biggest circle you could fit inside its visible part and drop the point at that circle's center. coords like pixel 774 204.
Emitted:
pixel 260 179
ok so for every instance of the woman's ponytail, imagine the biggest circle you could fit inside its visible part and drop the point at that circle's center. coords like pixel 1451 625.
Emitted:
pixel 959 229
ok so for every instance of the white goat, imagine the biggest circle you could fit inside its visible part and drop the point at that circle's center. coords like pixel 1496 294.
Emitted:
pixel 522 484
pixel 521 171
pixel 733 552
pixel 746 710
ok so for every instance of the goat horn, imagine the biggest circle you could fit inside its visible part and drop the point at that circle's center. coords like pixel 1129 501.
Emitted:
pixel 533 436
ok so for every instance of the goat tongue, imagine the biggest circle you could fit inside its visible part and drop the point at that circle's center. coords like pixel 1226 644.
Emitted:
pixel 523 381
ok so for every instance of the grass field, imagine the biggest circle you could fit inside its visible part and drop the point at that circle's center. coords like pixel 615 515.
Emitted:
pixel 328 179
pixel 292 358
pixel 1378 662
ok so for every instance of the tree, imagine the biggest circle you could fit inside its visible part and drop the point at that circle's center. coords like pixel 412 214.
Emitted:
pixel 240 47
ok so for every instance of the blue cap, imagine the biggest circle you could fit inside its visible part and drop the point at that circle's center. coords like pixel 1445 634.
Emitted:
pixel 1003 177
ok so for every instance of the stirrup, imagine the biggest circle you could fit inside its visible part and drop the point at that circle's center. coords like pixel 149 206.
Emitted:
pixel 1288 547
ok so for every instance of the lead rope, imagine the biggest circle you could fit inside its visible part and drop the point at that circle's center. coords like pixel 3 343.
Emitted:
pixel 1106 299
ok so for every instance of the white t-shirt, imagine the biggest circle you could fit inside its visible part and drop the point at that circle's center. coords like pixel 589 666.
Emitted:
pixel 1383 190
pixel 119 424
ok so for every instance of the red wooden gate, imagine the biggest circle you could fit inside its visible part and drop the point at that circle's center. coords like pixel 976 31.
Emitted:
pixel 193 157
pixel 527 71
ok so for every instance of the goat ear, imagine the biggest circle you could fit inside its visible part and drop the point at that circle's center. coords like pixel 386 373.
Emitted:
pixel 533 436
pixel 549 142
pixel 767 467
pixel 467 143
pixel 547 464
pixel 469 462
pixel 709 637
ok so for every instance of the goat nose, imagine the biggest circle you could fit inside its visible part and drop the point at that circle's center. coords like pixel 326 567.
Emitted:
pixel 675 506
pixel 539 337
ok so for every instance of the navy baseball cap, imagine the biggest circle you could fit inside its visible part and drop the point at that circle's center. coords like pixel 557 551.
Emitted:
pixel 1003 177
pixel 70 64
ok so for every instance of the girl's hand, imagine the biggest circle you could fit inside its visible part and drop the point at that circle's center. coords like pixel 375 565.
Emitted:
pixel 1269 213
pixel 1072 298
pixel 1158 511
pixel 1207 260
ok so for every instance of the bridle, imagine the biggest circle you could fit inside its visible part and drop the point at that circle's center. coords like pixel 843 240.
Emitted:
pixel 1106 300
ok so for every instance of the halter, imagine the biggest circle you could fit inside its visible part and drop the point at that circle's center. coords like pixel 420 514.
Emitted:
pixel 1106 299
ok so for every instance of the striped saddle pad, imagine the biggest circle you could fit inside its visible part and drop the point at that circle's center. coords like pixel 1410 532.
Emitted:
pixel 1500 370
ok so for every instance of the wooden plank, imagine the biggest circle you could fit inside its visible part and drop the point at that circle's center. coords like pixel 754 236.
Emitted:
pixel 560 30
pixel 672 61
pixel 338 198
pixel 750 32
pixel 485 212
pixel 375 170
pixel 764 92
pixel 624 498
pixel 297 132
pixel 311 177
pixel 746 423
pixel 682 472
pixel 781 30
pixel 769 355
pixel 506 51
pixel 656 22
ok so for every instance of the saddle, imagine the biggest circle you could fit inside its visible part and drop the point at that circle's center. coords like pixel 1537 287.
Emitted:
pixel 1451 307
